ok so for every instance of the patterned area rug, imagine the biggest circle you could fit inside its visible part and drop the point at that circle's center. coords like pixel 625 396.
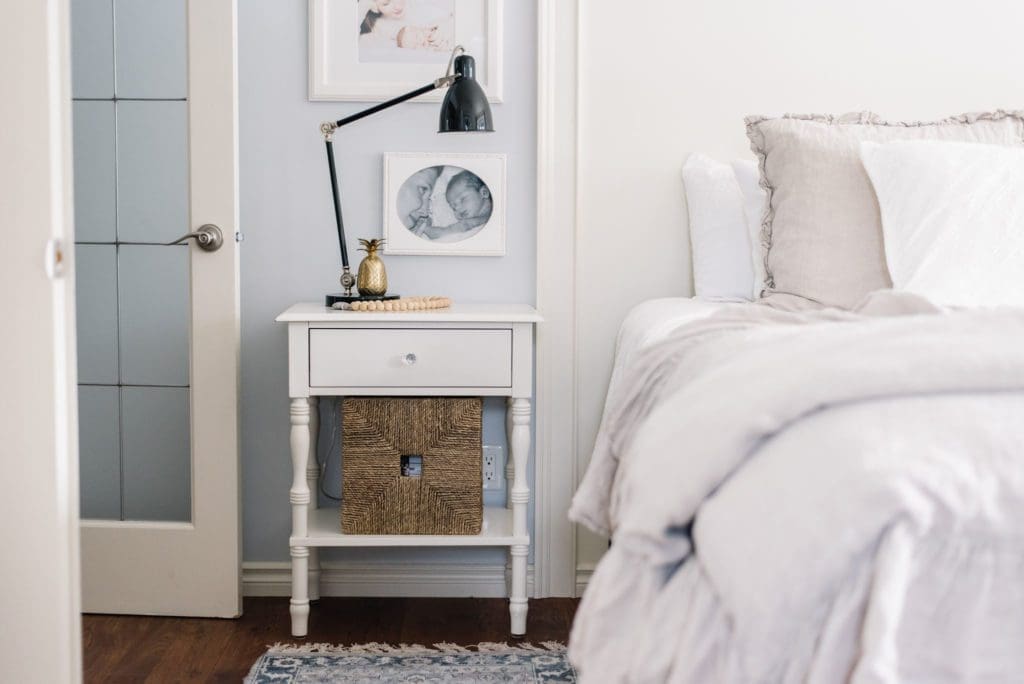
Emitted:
pixel 487 662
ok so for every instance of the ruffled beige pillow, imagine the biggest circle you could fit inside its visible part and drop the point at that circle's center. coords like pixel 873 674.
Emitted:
pixel 821 233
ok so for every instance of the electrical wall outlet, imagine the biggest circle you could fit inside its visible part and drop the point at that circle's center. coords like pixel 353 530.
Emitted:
pixel 494 467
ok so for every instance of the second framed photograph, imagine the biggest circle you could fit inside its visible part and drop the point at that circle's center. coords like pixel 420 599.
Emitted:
pixel 373 50
pixel 444 204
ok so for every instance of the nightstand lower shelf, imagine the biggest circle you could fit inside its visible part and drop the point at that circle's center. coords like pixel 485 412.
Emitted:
pixel 325 530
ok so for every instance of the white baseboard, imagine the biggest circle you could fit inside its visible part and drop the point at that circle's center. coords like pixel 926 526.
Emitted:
pixel 583 573
pixel 386 579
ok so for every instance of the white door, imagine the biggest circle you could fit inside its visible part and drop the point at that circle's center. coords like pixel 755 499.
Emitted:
pixel 39 603
pixel 155 157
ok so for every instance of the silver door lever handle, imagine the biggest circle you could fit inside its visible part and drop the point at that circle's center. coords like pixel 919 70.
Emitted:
pixel 208 237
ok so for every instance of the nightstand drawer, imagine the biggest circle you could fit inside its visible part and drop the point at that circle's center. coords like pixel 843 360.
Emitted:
pixel 422 357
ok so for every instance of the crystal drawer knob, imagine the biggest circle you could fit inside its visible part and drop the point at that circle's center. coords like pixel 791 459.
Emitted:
pixel 409 359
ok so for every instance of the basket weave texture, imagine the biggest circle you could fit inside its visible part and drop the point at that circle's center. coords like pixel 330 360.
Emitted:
pixel 377 499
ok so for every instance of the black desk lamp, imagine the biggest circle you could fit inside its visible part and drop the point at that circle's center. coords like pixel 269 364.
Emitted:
pixel 464 109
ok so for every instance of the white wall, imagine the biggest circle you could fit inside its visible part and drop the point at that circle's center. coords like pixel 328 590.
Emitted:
pixel 668 78
pixel 290 250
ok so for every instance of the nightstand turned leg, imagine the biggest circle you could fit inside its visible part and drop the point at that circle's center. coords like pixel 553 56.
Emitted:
pixel 299 498
pixel 510 469
pixel 519 446
pixel 313 482
pixel 299 605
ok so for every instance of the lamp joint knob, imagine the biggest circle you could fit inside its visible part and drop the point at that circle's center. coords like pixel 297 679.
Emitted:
pixel 347 280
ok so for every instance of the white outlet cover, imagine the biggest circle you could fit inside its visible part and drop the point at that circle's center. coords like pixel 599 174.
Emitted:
pixel 493 467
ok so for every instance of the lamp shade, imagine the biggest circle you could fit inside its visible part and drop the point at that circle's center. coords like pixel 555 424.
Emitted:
pixel 465 107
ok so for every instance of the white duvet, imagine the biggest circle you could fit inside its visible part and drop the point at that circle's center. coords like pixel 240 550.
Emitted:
pixel 813 496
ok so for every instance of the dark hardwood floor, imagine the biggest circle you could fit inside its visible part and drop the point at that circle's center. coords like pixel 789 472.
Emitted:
pixel 153 649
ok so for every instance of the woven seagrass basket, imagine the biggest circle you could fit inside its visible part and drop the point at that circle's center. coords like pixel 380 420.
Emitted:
pixel 411 466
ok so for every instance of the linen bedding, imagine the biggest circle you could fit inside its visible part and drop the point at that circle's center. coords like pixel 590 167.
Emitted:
pixel 811 495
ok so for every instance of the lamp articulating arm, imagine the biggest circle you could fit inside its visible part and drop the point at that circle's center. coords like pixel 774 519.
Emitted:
pixel 328 128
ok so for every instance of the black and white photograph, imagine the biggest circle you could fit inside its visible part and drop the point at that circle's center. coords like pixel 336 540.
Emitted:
pixel 444 204
pixel 417 31
pixel 373 50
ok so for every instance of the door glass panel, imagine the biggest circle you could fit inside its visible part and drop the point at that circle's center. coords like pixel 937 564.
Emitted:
pixel 155 453
pixel 153 314
pixel 99 452
pixel 131 196
pixel 149 41
pixel 95 171
pixel 92 49
pixel 96 305
pixel 152 170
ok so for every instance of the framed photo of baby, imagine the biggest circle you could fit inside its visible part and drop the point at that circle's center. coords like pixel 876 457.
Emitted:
pixel 444 204
pixel 373 50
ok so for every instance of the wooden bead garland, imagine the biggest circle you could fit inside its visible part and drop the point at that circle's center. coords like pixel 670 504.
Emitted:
pixel 403 304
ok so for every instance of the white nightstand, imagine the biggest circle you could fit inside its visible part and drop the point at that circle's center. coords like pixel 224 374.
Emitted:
pixel 466 350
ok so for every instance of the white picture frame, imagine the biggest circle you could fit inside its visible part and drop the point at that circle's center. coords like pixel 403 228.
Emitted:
pixel 434 203
pixel 336 72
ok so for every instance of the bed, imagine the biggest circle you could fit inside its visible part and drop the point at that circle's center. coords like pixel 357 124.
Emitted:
pixel 817 489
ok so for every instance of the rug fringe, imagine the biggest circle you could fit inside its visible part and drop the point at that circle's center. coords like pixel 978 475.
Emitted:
pixel 375 648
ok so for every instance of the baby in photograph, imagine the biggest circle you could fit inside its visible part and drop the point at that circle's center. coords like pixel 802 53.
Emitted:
pixel 411 24
pixel 470 202
pixel 423 38
pixel 469 199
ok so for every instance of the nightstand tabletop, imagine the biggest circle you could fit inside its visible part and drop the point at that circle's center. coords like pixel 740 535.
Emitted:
pixel 314 312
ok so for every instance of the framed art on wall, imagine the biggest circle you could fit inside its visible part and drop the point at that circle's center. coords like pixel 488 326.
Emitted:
pixel 372 50
pixel 444 204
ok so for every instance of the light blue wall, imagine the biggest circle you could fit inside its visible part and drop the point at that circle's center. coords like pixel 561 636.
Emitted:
pixel 290 250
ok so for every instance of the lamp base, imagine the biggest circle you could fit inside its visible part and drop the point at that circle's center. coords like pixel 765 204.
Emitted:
pixel 332 299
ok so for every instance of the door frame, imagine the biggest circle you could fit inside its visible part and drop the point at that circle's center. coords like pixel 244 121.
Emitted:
pixel 125 551
pixel 557 378
pixel 40 599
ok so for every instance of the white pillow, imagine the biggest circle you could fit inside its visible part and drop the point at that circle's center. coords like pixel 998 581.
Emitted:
pixel 754 201
pixel 719 238
pixel 952 219
pixel 823 236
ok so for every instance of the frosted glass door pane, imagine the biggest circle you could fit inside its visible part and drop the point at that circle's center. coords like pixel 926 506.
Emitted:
pixel 150 48
pixel 95 171
pixel 155 438
pixel 96 305
pixel 153 314
pixel 152 171
pixel 133 292
pixel 99 452
pixel 92 48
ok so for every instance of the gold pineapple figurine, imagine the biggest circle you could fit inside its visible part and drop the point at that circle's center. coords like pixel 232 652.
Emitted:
pixel 372 279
